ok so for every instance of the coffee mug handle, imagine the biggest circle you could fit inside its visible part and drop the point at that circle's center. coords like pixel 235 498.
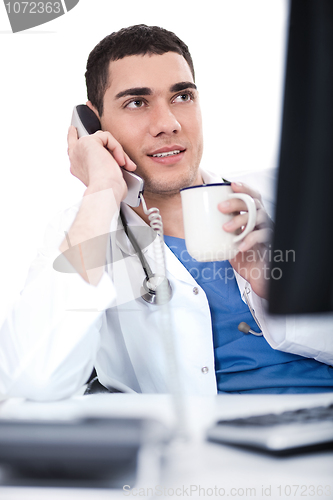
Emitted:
pixel 252 211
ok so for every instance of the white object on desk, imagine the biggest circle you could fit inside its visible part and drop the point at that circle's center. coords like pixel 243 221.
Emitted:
pixel 195 463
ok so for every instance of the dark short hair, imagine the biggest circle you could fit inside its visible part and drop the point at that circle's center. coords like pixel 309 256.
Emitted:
pixel 135 40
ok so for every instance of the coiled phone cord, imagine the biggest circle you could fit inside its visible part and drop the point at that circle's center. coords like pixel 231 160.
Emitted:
pixel 155 221
pixel 163 292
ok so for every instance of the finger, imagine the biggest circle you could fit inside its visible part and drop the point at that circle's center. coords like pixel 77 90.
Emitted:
pixel 240 220
pixel 110 143
pixel 71 138
pixel 263 219
pixel 261 236
pixel 129 165
pixel 116 150
pixel 236 205
pixel 236 223
pixel 240 187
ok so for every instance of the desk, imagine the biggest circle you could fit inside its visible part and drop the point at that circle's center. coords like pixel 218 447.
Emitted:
pixel 220 471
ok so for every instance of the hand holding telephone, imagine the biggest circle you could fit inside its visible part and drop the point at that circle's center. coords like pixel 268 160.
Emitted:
pixel 87 123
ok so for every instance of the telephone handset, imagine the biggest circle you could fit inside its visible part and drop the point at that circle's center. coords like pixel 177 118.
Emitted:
pixel 86 123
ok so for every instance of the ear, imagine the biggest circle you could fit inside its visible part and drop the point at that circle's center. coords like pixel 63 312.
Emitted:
pixel 88 103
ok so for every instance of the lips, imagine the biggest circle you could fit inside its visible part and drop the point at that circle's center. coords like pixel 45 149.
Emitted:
pixel 167 151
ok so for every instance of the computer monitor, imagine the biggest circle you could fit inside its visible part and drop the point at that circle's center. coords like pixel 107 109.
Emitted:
pixel 302 245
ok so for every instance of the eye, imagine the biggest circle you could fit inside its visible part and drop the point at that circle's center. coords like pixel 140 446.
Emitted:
pixel 184 97
pixel 135 104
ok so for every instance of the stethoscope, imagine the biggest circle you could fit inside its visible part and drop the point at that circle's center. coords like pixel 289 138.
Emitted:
pixel 245 328
pixel 153 281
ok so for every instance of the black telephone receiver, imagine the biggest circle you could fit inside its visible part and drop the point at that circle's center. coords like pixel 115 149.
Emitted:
pixel 86 123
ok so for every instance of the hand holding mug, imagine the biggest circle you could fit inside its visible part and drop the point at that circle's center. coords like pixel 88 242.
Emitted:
pixel 252 260
pixel 206 239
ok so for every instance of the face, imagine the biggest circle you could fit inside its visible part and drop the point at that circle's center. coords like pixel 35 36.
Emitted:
pixel 151 107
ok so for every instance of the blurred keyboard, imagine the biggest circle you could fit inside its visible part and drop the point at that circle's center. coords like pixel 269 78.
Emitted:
pixel 288 432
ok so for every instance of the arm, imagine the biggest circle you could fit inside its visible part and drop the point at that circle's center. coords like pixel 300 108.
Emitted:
pixel 92 163
pixel 49 340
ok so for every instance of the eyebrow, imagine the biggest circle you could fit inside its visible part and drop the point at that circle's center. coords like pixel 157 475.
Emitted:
pixel 138 91
pixel 134 91
pixel 182 86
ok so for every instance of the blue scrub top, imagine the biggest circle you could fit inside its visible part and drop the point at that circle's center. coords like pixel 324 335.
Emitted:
pixel 245 363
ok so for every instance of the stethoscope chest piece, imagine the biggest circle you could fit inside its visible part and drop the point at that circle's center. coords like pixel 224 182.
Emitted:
pixel 156 290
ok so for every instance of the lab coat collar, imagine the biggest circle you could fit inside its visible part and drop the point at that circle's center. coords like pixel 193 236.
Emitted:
pixel 174 266
pixel 210 177
pixel 133 219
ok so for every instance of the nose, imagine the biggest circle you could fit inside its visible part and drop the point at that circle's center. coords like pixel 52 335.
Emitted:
pixel 163 121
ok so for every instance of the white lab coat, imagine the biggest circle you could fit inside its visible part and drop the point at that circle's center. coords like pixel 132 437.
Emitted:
pixel 61 326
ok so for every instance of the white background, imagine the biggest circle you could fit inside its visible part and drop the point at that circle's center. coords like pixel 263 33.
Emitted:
pixel 238 52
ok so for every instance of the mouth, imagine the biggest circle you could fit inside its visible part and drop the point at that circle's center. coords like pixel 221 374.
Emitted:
pixel 167 153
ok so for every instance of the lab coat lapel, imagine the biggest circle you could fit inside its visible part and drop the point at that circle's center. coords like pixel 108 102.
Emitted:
pixel 173 265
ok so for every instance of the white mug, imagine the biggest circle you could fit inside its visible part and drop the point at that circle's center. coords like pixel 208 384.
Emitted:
pixel 204 236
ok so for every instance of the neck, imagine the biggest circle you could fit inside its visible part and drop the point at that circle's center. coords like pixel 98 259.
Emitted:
pixel 170 208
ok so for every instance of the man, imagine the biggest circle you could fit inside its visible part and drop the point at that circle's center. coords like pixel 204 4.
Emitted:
pixel 140 84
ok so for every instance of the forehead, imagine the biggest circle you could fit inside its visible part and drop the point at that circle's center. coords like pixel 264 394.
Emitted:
pixel 154 71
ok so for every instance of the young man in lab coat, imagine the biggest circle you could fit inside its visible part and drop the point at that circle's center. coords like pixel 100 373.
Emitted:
pixel 141 86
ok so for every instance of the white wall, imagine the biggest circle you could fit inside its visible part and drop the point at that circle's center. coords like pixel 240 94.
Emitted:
pixel 238 52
